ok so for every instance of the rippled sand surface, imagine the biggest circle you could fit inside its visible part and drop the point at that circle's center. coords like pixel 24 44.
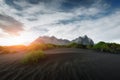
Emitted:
pixel 62 64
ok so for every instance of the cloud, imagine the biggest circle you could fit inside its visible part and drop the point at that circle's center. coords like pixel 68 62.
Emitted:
pixel 101 29
pixel 10 25
pixel 39 30
pixel 62 18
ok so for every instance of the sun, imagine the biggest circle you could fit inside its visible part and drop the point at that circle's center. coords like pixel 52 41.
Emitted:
pixel 23 39
pixel 17 41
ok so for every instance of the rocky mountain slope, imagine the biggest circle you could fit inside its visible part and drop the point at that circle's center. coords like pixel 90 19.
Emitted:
pixel 83 40
pixel 53 40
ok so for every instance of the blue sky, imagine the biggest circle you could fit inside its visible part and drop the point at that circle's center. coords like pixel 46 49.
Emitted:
pixel 25 20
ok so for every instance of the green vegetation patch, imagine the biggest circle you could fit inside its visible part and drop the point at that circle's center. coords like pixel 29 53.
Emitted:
pixel 107 47
pixel 33 57
pixel 76 45
pixel 102 46
pixel 41 47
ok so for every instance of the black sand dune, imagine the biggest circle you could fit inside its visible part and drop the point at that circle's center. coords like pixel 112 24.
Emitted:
pixel 63 64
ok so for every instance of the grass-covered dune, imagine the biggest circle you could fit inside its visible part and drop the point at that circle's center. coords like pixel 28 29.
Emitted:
pixel 107 47
pixel 100 46
pixel 33 57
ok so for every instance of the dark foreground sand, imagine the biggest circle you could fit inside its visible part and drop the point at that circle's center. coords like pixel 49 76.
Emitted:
pixel 62 64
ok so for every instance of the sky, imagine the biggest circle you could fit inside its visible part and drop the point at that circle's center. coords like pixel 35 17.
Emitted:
pixel 22 21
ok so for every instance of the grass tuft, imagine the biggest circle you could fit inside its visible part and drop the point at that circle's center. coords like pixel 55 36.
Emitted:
pixel 33 57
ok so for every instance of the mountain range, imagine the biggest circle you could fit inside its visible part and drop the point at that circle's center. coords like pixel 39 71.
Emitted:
pixel 85 40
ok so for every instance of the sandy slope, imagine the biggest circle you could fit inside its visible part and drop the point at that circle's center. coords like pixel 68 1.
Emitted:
pixel 63 64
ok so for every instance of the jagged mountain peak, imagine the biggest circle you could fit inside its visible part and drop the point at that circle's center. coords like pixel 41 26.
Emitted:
pixel 51 40
pixel 85 40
